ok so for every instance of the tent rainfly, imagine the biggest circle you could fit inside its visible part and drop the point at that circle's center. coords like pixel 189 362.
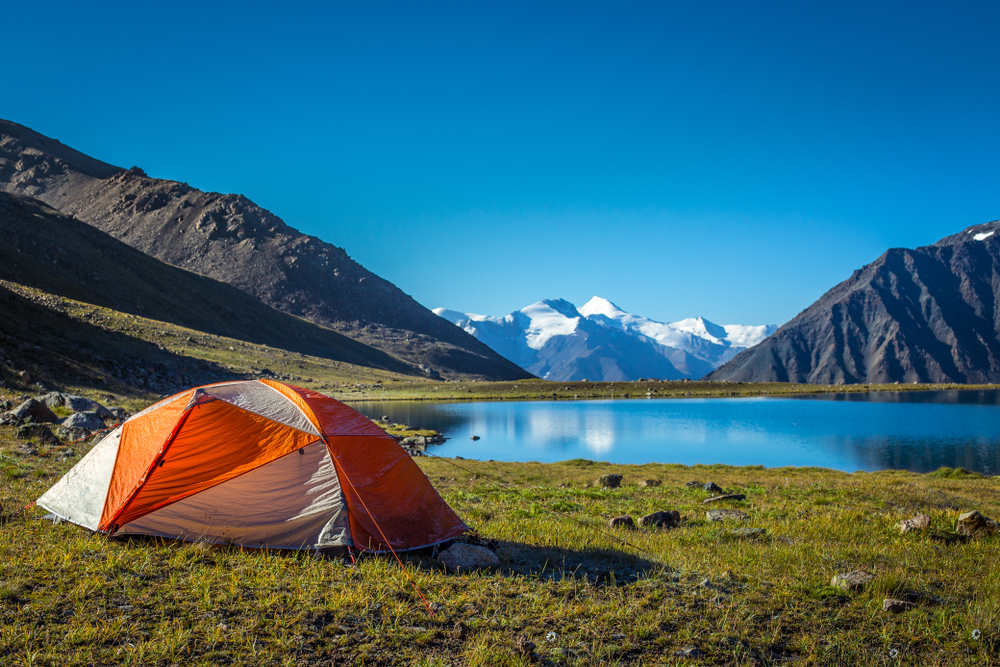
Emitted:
pixel 259 464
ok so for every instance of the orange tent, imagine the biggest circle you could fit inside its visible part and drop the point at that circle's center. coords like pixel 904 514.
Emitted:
pixel 255 463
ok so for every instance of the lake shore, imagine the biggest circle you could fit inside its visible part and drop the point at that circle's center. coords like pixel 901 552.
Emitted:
pixel 740 591
pixel 545 390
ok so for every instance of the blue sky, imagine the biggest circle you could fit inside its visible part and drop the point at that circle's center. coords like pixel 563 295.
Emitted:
pixel 730 160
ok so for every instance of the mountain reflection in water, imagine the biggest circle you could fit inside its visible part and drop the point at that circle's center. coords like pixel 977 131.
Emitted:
pixel 919 431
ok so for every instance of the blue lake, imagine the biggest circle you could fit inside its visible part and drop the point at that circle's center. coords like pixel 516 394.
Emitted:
pixel 919 431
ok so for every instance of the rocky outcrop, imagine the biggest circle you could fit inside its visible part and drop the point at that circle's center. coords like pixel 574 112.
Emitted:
pixel 231 239
pixel 926 315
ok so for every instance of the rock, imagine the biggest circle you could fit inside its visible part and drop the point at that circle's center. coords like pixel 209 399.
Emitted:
pixel 650 483
pixel 852 581
pixel 416 441
pixel 668 519
pixel 55 399
pixel 919 522
pixel 26 449
pixel 748 532
pixel 460 631
pixel 692 652
pixel 726 515
pixel 475 437
pixel 624 521
pixel 462 557
pixel 85 420
pixel 728 496
pixel 610 481
pixel 119 414
pixel 37 410
pixel 691 485
pixel 896 606
pixel 525 647
pixel 712 487
pixel 974 524
pixel 37 432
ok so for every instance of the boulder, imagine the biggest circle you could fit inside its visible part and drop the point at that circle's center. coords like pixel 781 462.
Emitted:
pixel 728 496
pixel 462 557
pixel 896 606
pixel 919 522
pixel 37 410
pixel 650 483
pixel 667 519
pixel 85 420
pixel 37 432
pixel 712 487
pixel 610 481
pixel 726 515
pixel 852 581
pixel 56 399
pixel 974 524
pixel 624 521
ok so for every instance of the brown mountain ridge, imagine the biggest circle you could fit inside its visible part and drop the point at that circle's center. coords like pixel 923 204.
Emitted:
pixel 931 314
pixel 231 239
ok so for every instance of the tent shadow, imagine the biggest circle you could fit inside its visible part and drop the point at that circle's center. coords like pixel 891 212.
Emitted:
pixel 603 566
pixel 599 566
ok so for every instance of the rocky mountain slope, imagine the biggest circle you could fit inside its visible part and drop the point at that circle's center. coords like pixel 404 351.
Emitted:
pixel 926 315
pixel 56 254
pixel 599 341
pixel 231 239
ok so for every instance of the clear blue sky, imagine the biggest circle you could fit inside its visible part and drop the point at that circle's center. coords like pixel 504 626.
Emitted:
pixel 731 160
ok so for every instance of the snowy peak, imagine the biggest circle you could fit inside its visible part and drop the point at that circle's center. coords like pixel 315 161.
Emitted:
pixel 699 326
pixel 600 341
pixel 549 318
pixel 600 306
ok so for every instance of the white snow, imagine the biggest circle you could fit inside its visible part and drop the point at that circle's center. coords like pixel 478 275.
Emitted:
pixel 547 321
pixel 984 235
pixel 522 335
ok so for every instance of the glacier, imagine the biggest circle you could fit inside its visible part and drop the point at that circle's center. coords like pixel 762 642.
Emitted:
pixel 599 341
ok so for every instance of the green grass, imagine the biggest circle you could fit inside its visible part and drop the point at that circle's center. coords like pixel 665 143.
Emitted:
pixel 67 598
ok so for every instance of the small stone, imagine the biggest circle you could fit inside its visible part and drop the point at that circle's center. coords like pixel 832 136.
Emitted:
pixel 475 437
pixel 748 532
pixel 919 522
pixel 974 524
pixel 691 485
pixel 726 515
pixel 624 521
pixel 852 581
pixel 668 519
pixel 712 487
pixel 896 606
pixel 691 652
pixel 25 449
pixel 650 483
pixel 460 631
pixel 610 481
pixel 462 557
pixel 728 496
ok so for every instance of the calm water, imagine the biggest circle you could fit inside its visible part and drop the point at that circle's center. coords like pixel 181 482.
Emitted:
pixel 919 431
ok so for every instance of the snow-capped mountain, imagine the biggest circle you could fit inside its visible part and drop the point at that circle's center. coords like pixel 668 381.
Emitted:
pixel 557 341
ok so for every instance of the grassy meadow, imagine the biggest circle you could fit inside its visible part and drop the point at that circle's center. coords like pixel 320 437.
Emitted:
pixel 582 593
